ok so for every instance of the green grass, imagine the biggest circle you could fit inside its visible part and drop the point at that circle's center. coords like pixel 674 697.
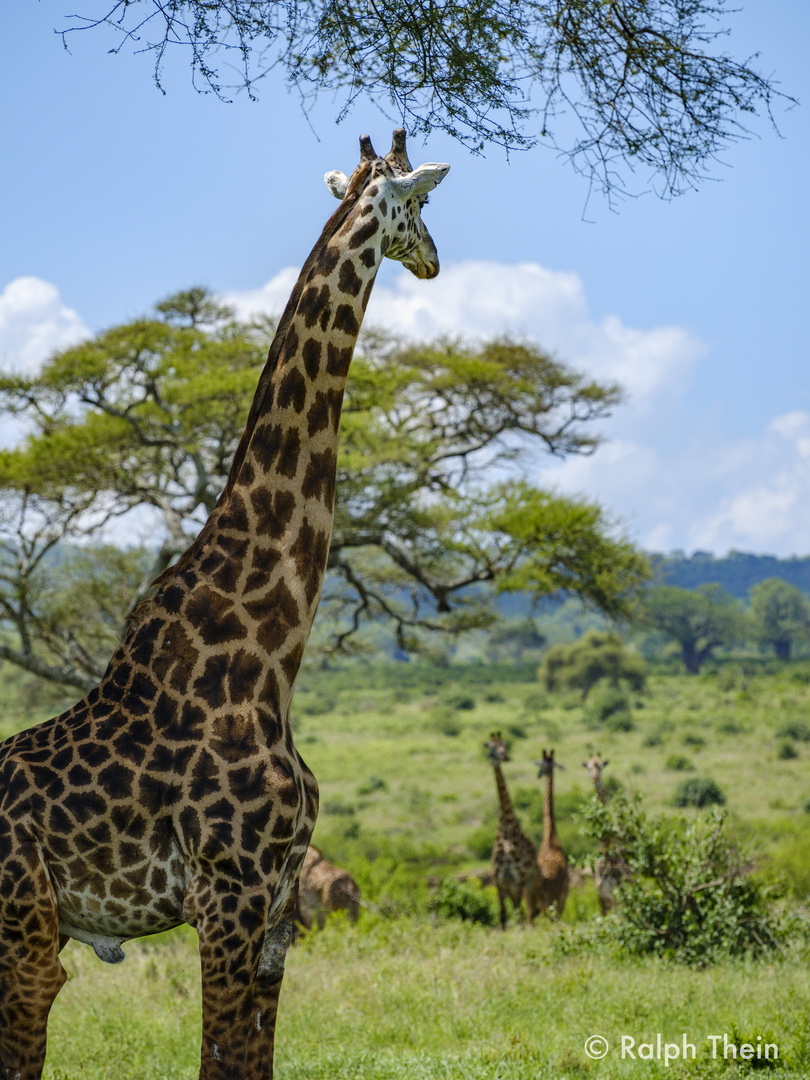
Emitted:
pixel 404 998
pixel 406 794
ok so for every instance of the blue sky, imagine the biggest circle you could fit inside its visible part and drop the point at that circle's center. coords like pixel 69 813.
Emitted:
pixel 115 195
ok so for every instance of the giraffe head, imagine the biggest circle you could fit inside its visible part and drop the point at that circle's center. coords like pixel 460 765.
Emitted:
pixel 496 748
pixel 397 193
pixel 548 764
pixel 594 765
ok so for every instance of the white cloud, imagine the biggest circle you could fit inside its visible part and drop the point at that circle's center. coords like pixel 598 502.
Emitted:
pixel 34 322
pixel 477 299
pixel 710 495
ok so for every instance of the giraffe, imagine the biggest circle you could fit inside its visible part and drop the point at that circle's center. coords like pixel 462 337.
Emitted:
pixel 514 858
pixel 324 887
pixel 552 864
pixel 610 868
pixel 173 791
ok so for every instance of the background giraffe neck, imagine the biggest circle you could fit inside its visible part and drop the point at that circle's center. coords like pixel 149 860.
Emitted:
pixel 549 825
pixel 505 802
pixel 601 794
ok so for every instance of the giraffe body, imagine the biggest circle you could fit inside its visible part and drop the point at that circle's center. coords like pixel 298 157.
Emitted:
pixel 324 888
pixel 514 856
pixel 610 868
pixel 173 791
pixel 552 865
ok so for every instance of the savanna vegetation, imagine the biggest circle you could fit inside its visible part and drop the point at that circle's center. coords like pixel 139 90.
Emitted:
pixel 425 984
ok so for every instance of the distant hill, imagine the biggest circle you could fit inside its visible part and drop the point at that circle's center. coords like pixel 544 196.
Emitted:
pixel 736 572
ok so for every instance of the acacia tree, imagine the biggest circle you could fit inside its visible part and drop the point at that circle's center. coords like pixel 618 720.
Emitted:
pixel 781 615
pixel 644 81
pixel 699 620
pixel 140 424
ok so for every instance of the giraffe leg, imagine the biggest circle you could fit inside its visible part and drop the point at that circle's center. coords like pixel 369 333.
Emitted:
pixel 231 930
pixel 31 974
pixel 259 1061
pixel 502 902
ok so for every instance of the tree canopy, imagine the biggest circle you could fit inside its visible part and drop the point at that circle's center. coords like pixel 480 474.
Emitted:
pixel 139 426
pixel 780 615
pixel 699 620
pixel 614 84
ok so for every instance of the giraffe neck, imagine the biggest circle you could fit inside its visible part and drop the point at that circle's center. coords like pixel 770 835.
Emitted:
pixel 260 559
pixel 549 825
pixel 507 810
pixel 601 794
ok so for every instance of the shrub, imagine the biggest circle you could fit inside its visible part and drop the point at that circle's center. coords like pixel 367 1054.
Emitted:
pixel 458 699
pixel 698 791
pixel 679 763
pixel 462 900
pixel 797 730
pixel 688 896
pixel 787 751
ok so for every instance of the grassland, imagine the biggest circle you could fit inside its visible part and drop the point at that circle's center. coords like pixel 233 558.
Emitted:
pixel 406 793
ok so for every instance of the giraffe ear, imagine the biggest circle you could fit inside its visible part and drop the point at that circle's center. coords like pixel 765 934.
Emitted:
pixel 337 182
pixel 421 180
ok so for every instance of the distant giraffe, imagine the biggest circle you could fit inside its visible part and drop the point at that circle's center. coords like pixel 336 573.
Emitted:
pixel 610 869
pixel 514 858
pixel 551 861
pixel 322 888
pixel 173 792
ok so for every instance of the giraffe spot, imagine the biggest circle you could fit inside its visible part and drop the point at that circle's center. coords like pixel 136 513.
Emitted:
pixel 234 514
pixel 136 879
pixel 204 778
pixel 278 448
pixel 141 648
pixel 327 262
pixel 313 301
pixel 319 479
pixel 162 840
pixel 243 675
pixel 366 210
pixel 210 685
pixel 84 806
pixel 383 207
pixel 170 599
pixel 79 776
pixel 59 821
pixel 348 280
pixel 311 355
pixel 372 190
pixel 143 687
pixel 346 321
pixel 62 758
pixel 362 235
pixel 367 295
pixel 93 754
pixel 234 547
pixel 292 391
pixel 132 743
pixel 116 780
pixel 158 880
pixel 292 661
pixel 318 415
pixel 288 349
pixel 128 821
pixel 276 614
pixel 122 673
pixel 338 360
pixel 247 783
pixel 268 718
pixel 310 552
pixel 385 244
pixel 189 821
pixel 213 617
pixel 273 510
pixel 368 257
pixel 227 577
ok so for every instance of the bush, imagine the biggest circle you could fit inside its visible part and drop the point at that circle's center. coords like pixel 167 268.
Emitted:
pixel 595 657
pixel 688 895
pixel 679 763
pixel 699 791
pixel 462 900
pixel 787 751
pixel 798 730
